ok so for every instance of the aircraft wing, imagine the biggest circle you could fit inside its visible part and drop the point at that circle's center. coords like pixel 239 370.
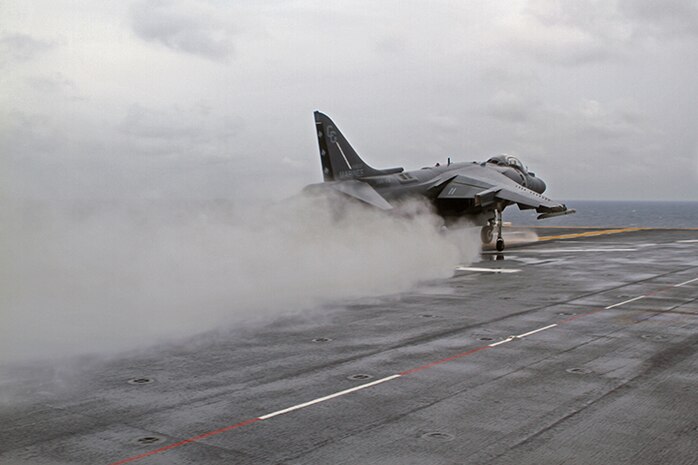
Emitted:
pixel 485 193
pixel 526 198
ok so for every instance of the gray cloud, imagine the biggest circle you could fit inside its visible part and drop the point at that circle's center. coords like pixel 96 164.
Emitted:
pixel 511 107
pixel 137 107
pixel 190 131
pixel 174 151
pixel 587 129
pixel 668 18
pixel 567 33
pixel 183 26
pixel 597 31
pixel 567 86
pixel 391 45
pixel 594 121
pixel 158 124
pixel 54 86
pixel 596 147
pixel 18 47
pixel 29 134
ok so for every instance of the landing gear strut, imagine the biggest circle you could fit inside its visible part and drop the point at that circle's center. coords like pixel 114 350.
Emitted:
pixel 498 224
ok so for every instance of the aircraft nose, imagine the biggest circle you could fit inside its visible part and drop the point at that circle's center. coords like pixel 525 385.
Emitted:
pixel 537 185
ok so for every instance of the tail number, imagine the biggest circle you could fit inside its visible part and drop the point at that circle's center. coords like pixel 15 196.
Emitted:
pixel 331 134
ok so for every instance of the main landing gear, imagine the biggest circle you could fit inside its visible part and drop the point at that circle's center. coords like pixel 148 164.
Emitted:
pixel 487 231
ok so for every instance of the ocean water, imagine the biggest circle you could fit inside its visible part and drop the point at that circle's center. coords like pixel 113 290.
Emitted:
pixel 656 214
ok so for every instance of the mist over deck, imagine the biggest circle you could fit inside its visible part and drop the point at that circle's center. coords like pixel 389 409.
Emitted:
pixel 576 349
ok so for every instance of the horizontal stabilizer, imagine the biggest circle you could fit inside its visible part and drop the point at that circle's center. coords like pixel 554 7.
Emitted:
pixel 362 191
pixel 383 172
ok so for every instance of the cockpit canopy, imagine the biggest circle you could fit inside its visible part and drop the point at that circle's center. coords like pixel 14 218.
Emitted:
pixel 508 160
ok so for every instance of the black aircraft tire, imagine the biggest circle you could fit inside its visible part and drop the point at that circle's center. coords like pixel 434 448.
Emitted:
pixel 486 234
pixel 500 245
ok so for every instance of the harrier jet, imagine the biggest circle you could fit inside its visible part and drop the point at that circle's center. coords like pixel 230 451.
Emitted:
pixel 476 191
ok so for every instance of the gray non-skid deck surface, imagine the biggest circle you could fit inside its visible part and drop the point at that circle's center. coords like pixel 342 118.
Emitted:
pixel 617 385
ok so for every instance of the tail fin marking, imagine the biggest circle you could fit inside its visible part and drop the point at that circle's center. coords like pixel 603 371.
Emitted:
pixel 339 159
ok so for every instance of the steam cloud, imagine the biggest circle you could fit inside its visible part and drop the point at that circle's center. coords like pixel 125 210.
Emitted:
pixel 107 278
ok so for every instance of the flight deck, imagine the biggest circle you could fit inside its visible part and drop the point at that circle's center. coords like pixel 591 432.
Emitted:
pixel 577 347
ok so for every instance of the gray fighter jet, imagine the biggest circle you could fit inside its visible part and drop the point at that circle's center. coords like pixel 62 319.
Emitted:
pixel 476 191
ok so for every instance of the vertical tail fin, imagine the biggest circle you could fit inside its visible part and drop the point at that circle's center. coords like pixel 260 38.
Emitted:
pixel 339 160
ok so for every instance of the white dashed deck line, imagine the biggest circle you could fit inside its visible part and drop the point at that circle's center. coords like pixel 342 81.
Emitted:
pixel 686 282
pixel 625 302
pixel 326 398
pixel 364 386
pixel 495 344
pixel 537 330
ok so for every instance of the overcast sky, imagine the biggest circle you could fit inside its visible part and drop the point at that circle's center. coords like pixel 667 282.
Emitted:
pixel 214 99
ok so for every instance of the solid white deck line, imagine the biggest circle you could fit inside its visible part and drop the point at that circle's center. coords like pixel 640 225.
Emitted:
pixel 331 396
pixel 495 344
pixel 688 241
pixel 576 250
pixel 625 302
pixel 390 378
pixel 520 336
pixel 382 380
pixel 487 270
pixel 686 282
pixel 357 388
pixel 537 330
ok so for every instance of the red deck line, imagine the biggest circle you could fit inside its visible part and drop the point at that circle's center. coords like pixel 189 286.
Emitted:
pixel 404 373
pixel 186 441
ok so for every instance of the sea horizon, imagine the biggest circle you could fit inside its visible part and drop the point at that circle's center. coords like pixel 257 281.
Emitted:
pixel 616 213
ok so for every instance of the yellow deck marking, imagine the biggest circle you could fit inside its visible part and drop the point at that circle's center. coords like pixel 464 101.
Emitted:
pixel 608 227
pixel 590 233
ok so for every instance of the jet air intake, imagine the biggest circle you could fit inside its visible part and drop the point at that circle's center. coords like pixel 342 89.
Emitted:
pixel 536 184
